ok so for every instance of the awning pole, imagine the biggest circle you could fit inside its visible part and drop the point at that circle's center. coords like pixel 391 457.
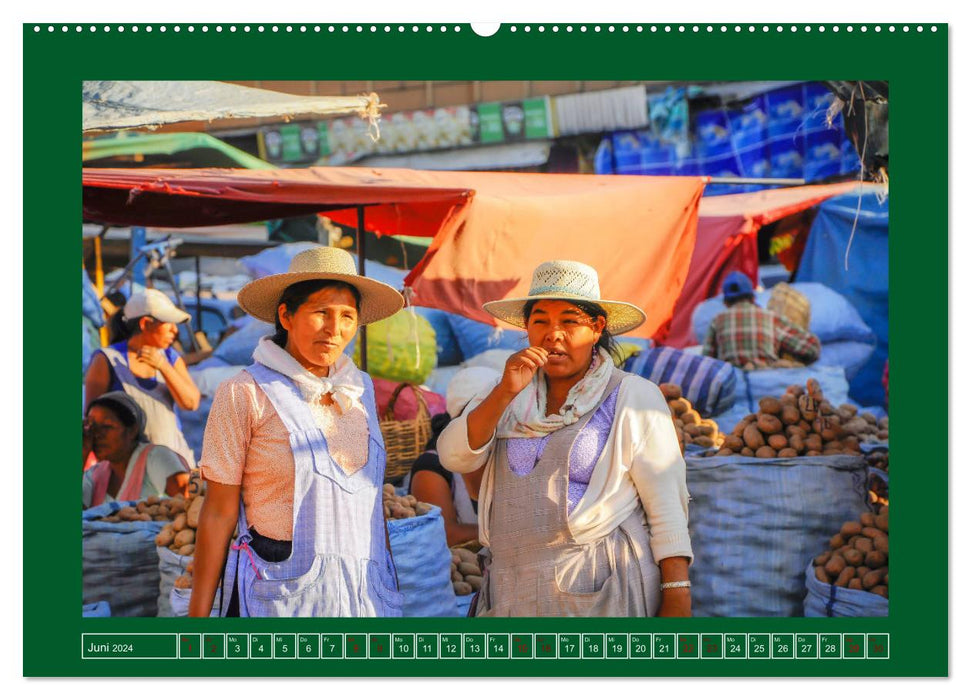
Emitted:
pixel 99 282
pixel 361 252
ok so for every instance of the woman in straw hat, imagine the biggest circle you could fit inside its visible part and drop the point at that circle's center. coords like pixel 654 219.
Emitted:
pixel 583 502
pixel 293 455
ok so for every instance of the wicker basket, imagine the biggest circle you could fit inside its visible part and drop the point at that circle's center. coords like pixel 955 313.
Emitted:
pixel 404 440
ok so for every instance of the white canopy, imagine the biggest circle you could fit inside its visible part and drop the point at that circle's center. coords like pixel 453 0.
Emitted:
pixel 111 104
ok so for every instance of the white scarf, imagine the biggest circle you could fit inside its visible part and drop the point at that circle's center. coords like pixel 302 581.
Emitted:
pixel 344 383
pixel 526 415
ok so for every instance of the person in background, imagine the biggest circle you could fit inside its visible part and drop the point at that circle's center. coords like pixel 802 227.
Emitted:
pixel 431 483
pixel 583 502
pixel 142 363
pixel 751 337
pixel 129 467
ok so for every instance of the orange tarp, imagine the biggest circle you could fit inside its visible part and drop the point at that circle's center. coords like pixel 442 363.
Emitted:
pixel 490 229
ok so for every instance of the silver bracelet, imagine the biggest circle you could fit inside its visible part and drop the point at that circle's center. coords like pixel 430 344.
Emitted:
pixel 676 584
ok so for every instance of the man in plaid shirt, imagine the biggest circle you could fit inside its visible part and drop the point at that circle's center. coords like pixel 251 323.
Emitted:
pixel 745 334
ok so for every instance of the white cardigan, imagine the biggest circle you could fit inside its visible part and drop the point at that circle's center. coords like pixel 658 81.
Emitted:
pixel 641 460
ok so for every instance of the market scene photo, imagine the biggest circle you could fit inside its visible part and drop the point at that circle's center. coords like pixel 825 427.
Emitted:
pixel 485 349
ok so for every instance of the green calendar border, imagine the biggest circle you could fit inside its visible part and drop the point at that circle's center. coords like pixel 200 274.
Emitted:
pixel 915 63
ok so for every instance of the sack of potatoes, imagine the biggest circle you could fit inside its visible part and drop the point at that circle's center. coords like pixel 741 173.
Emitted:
pixel 801 422
pixel 859 555
pixel 689 426
pixel 466 574
pixel 399 507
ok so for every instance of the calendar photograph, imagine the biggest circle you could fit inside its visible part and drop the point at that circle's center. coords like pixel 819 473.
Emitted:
pixel 577 362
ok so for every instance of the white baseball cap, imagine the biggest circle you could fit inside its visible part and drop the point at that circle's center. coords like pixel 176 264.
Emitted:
pixel 152 302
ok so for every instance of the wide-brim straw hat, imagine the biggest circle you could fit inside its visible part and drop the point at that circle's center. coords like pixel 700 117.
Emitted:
pixel 566 280
pixel 261 298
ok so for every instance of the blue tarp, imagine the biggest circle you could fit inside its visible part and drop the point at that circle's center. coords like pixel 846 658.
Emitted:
pixel 865 283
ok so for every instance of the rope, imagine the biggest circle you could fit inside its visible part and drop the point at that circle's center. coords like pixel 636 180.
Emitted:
pixel 372 112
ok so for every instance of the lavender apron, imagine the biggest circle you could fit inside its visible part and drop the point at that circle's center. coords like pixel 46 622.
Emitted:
pixel 340 565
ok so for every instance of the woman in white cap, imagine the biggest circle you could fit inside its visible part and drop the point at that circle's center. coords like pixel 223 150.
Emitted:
pixel 431 483
pixel 142 362
pixel 583 502
pixel 293 456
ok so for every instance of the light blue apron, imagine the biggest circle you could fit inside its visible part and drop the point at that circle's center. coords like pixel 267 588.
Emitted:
pixel 340 565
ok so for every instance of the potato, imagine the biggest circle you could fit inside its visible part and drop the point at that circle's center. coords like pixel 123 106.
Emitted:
pixel 787 453
pixel 868 519
pixel 835 565
pixel 851 528
pixel 851 443
pixel 821 574
pixel 869 417
pixel 836 541
pixel 387 511
pixel 812 453
pixel 183 582
pixel 798 443
pixel 141 507
pixel 789 415
pixel 457 576
pixel 192 515
pixel 813 389
pixel 461 588
pixel 160 518
pixel 724 452
pixel 766 452
pixel 845 576
pixel 180 522
pixel 826 408
pixel 187 550
pixel 690 417
pixel 165 537
pixel 176 505
pixel 770 406
pixel 769 424
pixel 153 500
pixel 881 591
pixel 670 391
pixel 694 430
pixel 753 437
pixel 704 441
pixel 143 517
pixel 778 442
pixel 861 571
pixel 853 557
pixel 747 452
pixel 864 544
pixel 795 390
pixel 706 429
pixel 110 519
pixel 881 544
pixel 679 406
pixel 474 581
pixel 469 569
pixel 872 532
pixel 874 578
pixel 882 522
pixel 807 407
pixel 814 443
pixel 184 537
pixel 190 567
pixel 152 510
pixel 822 558
pixel 875 559
pixel 833 445
pixel 733 443
pixel 127 513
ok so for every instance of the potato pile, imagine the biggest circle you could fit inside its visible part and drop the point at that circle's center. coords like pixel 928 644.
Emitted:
pixel 398 507
pixel 152 508
pixel 691 428
pixel 800 422
pixel 180 535
pixel 877 488
pixel 865 426
pixel 466 574
pixel 859 555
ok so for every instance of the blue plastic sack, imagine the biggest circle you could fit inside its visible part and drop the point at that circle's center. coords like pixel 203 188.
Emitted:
pixel 275 260
pixel 449 350
pixel 851 355
pixel 238 348
pixel 99 609
pixel 194 424
pixel 178 602
pixel 827 600
pixel 170 567
pixel 475 337
pixel 708 383
pixel 832 317
pixel 423 563
pixel 755 522
pixel 119 564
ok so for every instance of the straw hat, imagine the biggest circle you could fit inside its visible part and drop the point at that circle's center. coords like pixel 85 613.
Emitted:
pixel 567 280
pixel 261 298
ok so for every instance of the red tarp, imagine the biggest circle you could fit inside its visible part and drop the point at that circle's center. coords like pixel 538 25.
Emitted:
pixel 490 229
pixel 727 240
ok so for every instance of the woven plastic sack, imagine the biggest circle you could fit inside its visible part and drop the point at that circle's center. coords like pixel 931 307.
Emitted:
pixel 178 602
pixel 400 348
pixel 827 600
pixel 99 609
pixel 709 384
pixel 755 522
pixel 449 351
pixel 237 349
pixel 475 337
pixel 170 567
pixel 423 564
pixel 119 564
